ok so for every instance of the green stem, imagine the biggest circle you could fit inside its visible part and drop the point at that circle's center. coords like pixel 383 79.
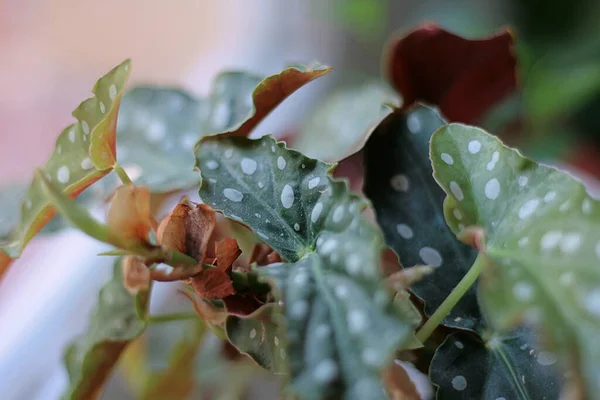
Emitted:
pixel 454 297
pixel 122 174
pixel 159 319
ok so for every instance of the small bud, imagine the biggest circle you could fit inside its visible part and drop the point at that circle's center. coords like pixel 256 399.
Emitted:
pixel 136 276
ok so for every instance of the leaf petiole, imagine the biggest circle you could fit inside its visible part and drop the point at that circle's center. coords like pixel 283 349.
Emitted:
pixel 163 318
pixel 454 297
pixel 122 174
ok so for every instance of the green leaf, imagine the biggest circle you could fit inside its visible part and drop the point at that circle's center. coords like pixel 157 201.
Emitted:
pixel 341 327
pixel 342 121
pixel 506 366
pixel 90 358
pixel 409 207
pixel 541 238
pixel 261 337
pixel 159 126
pixel 84 153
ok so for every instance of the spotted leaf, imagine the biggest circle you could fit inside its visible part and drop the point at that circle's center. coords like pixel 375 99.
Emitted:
pixel 113 325
pixel 409 208
pixel 341 325
pixel 342 122
pixel 506 366
pixel 540 229
pixel 260 336
pixel 84 153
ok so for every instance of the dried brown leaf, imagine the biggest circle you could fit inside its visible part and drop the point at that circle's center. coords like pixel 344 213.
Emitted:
pixel 212 283
pixel 129 214
pixel 206 311
pixel 136 275
pixel 227 252
pixel 398 383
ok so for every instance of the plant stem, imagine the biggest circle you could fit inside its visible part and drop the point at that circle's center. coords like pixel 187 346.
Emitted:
pixel 159 319
pixel 122 174
pixel 454 297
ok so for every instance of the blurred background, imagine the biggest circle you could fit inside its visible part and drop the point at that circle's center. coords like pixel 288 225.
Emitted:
pixel 52 51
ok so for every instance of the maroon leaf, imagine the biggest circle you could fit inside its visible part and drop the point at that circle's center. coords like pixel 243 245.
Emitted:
pixel 464 78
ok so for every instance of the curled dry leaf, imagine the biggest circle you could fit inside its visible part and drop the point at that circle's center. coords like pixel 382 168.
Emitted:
pixel 263 254
pixel 465 78
pixel 129 215
pixel 136 275
pixel 187 229
pixel 206 311
pixel 227 252
pixel 212 283
pixel 398 383
pixel 403 279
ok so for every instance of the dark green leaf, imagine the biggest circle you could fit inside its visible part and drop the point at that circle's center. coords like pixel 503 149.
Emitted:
pixel 409 208
pixel 260 336
pixel 341 327
pixel 113 325
pixel 541 237
pixel 84 153
pixel 342 122
pixel 505 367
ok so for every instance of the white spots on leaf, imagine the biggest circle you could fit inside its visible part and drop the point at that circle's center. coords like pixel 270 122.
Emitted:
pixel 287 196
pixel 316 212
pixel 301 279
pixel 282 353
pixel 550 239
pixel 353 263
pixel 571 242
pixel 252 333
pixel 228 153
pixel 492 189
pixel 322 331
pixel 371 357
pixel 474 146
pixel 528 208
pixel 500 398
pixel 233 194
pixel 430 256
pixel 212 180
pixel 400 183
pixel 523 291
pixel 58 149
pixel 325 371
pixel 405 231
pixel 262 235
pixel 248 166
pixel 342 292
pixel 546 358
pixel 296 227
pixel 564 206
pixel 112 92
pixel 299 309
pixel 188 140
pixel 586 206
pixel 495 157
pixel 459 383
pixel 459 345
pixel 328 246
pixel 281 163
pixel 62 175
pixel 338 214
pixel 461 227
pixel 313 182
pixel 85 127
pixel 549 196
pixel 522 181
pixel 457 214
pixel 523 241
pixel 102 108
pixel 212 164
pixel 447 158
pixel 456 191
pixel 276 341
pixel 86 164
pixel 413 122
pixel 592 302
pixel 566 278
pixel 72 135
pixel 261 185
pixel 156 131
pixel 357 321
